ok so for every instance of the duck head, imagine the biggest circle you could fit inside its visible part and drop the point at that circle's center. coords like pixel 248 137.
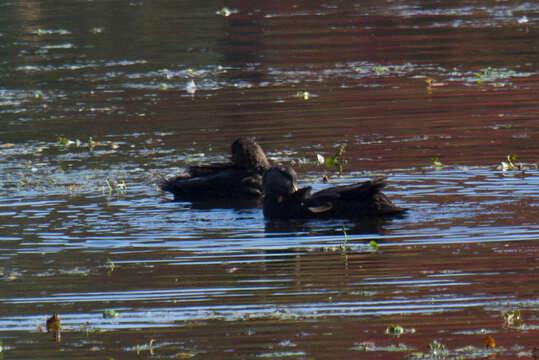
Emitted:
pixel 279 180
pixel 247 154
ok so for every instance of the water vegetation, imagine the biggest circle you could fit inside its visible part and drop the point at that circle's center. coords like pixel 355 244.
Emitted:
pixel 225 11
pixel 511 318
pixel 397 330
pixel 336 161
pixel 149 347
pixel 371 347
pixel 109 266
pixel 436 163
pixel 110 314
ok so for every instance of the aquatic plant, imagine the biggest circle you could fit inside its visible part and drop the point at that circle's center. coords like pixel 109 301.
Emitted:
pixel 109 266
pixel 110 314
pixel 511 318
pixel 145 347
pixel 53 326
pixel 394 330
pixel 370 346
pixel 303 95
pixel 118 187
pixel 345 239
pixel 89 329
pixel 226 11
pixel 91 143
pixel 509 165
pixel 184 355
pixel 397 330
pixel 436 163
pixel 53 323
pixel 437 350
pixel 333 161
pixel 65 142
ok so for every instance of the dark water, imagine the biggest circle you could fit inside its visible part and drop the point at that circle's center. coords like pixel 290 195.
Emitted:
pixel 160 85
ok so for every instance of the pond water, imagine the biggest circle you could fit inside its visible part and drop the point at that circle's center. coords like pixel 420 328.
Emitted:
pixel 101 99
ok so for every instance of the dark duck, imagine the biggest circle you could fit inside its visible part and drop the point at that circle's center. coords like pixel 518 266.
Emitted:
pixel 283 200
pixel 237 179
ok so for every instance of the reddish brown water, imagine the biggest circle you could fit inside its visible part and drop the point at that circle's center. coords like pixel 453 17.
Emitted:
pixel 84 230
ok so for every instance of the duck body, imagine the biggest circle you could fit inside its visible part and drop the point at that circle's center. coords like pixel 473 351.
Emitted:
pixel 238 179
pixel 282 199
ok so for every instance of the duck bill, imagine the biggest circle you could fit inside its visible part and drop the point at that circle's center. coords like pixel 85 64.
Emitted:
pixel 294 187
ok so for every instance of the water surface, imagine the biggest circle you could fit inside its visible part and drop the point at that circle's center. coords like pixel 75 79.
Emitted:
pixel 100 100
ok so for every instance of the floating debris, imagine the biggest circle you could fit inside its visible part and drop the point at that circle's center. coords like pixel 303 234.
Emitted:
pixel 489 342
pixel 53 323
pixel 509 164
pixel 523 20
pixel 436 163
pixel 53 326
pixel 305 95
pixel 110 314
pixel 109 266
pixel 397 330
pixel 226 12
pixel 191 87
pixel 511 318
pixel 97 30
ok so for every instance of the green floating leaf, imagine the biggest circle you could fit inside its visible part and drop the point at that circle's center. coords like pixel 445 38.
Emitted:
pixel 110 314
pixel 226 11
pixel 91 143
pixel 63 141
pixel 394 330
pixel 374 245
pixel 333 161
pixel 109 265
pixel 436 163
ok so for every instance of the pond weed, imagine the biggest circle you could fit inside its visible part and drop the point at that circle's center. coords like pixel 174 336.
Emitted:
pixel 335 161
pixel 110 314
pixel 511 318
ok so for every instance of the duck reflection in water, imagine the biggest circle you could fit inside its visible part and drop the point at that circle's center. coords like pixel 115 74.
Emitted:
pixel 234 182
pixel 283 200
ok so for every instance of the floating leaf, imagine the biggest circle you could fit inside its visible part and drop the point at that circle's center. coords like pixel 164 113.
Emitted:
pixel 436 163
pixel 63 141
pixel 489 342
pixel 512 318
pixel 226 11
pixel 110 314
pixel 394 330
pixel 91 143
pixel 184 355
pixel 303 94
pixel 53 323
pixel 109 265
pixel 374 245
pixel 509 165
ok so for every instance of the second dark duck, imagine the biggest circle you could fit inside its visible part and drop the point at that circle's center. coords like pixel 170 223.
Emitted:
pixel 238 179
pixel 282 199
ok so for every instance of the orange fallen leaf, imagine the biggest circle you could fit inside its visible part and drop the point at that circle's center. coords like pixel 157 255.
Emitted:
pixel 489 342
